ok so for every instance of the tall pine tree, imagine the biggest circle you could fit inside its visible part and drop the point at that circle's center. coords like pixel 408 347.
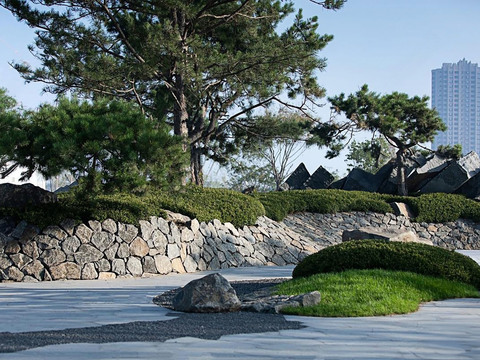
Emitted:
pixel 199 65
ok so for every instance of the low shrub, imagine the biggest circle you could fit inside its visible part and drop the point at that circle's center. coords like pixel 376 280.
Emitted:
pixel 122 207
pixel 279 204
pixel 376 254
pixel 206 204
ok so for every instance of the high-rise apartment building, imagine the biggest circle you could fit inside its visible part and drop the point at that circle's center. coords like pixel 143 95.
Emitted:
pixel 456 96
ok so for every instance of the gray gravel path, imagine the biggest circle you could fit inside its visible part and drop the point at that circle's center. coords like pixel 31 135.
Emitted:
pixel 202 326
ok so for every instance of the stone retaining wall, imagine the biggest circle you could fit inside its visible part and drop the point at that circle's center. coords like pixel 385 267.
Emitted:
pixel 112 249
pixel 327 229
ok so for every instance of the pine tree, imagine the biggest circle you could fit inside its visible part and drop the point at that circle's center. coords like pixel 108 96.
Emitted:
pixel 403 121
pixel 111 144
pixel 202 65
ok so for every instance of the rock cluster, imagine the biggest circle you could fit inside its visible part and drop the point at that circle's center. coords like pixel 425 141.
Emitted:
pixel 327 229
pixel 424 175
pixel 110 249
pixel 213 293
pixel 21 196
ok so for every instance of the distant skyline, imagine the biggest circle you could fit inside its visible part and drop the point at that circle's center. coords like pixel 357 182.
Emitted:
pixel 390 45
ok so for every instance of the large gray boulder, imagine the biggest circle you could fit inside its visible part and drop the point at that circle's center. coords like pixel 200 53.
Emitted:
pixel 361 180
pixel 397 235
pixel 421 175
pixel 389 172
pixel 320 179
pixel 298 177
pixel 454 175
pixel 471 188
pixel 21 196
pixel 210 294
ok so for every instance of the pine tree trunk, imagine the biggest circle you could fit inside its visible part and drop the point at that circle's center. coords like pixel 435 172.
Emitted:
pixel 401 176
pixel 196 166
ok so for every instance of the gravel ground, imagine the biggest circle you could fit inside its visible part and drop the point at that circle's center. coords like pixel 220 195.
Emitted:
pixel 204 326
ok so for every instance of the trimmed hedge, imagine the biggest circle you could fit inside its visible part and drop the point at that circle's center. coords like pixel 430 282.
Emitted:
pixel 203 204
pixel 377 254
pixel 435 208
pixel 119 207
pixel 440 207
pixel 206 204
pixel 279 204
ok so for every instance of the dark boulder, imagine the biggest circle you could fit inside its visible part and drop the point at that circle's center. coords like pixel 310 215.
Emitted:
pixel 471 188
pixel 338 184
pixel 210 294
pixel 320 179
pixel 454 175
pixel 361 180
pixel 421 175
pixel 21 196
pixel 298 177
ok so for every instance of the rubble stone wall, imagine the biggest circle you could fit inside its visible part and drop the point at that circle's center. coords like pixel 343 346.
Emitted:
pixel 327 229
pixel 109 249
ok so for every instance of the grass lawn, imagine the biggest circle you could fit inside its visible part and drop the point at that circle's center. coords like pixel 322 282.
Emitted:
pixel 372 292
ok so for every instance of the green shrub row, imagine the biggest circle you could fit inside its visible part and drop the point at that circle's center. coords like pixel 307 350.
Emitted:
pixel 279 204
pixel 122 207
pixel 203 204
pixel 436 208
pixel 377 254
pixel 206 204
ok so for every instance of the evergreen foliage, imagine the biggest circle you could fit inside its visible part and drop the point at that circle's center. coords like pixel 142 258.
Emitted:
pixel 369 155
pixel 203 204
pixel 279 204
pixel 404 121
pixel 449 151
pixel 434 208
pixel 376 254
pixel 203 65
pixel 111 144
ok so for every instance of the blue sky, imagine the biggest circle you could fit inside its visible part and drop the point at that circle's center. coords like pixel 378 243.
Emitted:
pixel 391 45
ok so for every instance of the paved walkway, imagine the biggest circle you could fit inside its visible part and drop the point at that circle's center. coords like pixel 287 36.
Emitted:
pixel 440 330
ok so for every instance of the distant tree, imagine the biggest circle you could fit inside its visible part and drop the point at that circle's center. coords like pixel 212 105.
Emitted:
pixel 403 121
pixel 268 146
pixel 201 65
pixel 8 114
pixel 369 155
pixel 112 144
pixel 449 151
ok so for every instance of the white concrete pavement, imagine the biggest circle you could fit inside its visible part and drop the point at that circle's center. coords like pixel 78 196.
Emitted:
pixel 439 330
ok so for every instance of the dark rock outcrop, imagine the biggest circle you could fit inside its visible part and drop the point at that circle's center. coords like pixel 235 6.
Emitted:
pixel 454 175
pixel 397 235
pixel 21 196
pixel 320 179
pixel 298 177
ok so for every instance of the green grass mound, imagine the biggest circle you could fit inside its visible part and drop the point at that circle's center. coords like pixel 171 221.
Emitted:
pixel 372 292
pixel 203 204
pixel 376 254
